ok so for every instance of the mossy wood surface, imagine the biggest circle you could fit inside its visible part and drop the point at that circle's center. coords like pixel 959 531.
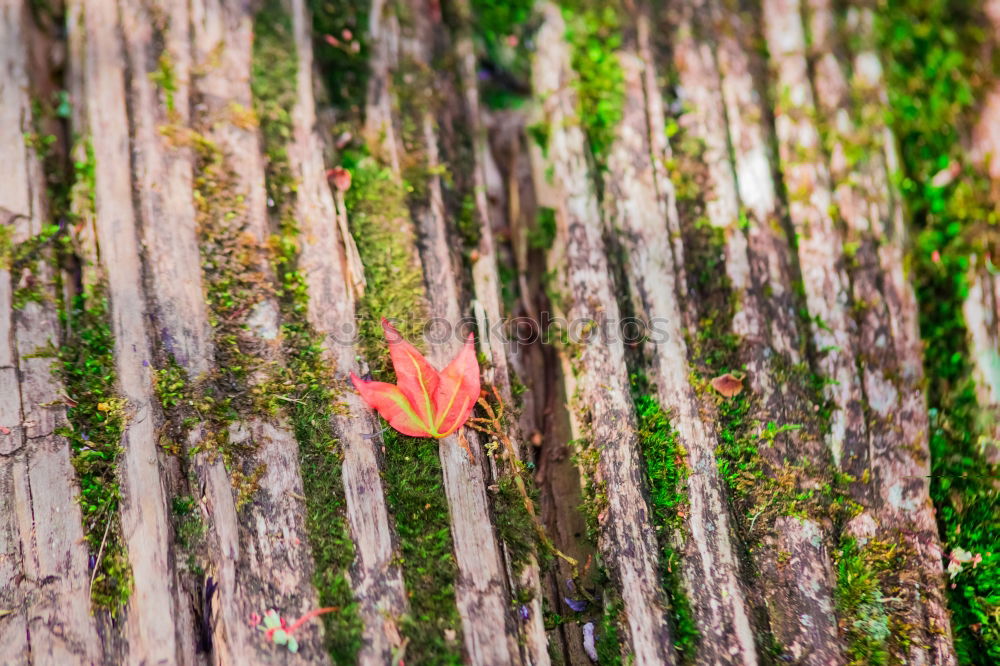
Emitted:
pixel 731 267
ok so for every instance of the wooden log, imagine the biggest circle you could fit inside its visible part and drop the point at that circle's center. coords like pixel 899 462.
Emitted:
pixel 481 590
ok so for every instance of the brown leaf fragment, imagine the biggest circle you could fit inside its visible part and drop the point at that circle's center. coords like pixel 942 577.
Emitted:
pixel 728 385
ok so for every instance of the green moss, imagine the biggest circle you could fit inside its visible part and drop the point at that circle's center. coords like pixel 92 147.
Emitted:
pixel 593 31
pixel 866 601
pixel 514 524
pixel 23 261
pixel 234 286
pixel 502 28
pixel 541 134
pixel 307 385
pixel 190 527
pixel 6 245
pixel 608 641
pixel 164 78
pixel 595 497
pixel 376 205
pixel 467 221
pixel 543 235
pixel 273 82
pixel 86 366
pixel 667 472
pixel 340 46
pixel 83 191
pixel 415 495
pixel 935 73
pixel 189 532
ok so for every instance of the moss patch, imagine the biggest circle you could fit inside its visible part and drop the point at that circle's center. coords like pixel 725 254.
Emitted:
pixel 935 73
pixel 502 29
pixel 340 45
pixel 866 601
pixel 377 209
pixel 416 497
pixel 667 472
pixel 97 420
pixel 593 31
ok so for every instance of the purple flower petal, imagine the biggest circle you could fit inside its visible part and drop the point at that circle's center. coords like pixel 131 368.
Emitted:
pixel 577 605
pixel 525 612
pixel 589 642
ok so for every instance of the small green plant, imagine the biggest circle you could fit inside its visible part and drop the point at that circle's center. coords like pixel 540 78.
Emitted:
pixel 277 630
pixel 543 234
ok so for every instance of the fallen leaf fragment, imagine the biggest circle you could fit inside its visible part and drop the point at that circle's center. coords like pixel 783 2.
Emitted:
pixel 728 385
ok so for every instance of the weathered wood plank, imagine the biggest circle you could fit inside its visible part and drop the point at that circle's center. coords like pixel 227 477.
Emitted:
pixel 633 205
pixel 486 290
pixel 43 558
pixel 144 511
pixel 602 412
pixel 376 577
pixel 820 246
pixel 274 564
pixel 891 363
pixel 481 588
pixel 982 307
pixel 757 264
pixel 164 171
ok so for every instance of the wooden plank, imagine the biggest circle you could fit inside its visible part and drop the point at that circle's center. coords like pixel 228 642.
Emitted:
pixel 270 548
pixel 601 410
pixel 43 557
pixel 758 264
pixel 144 511
pixel 632 204
pixel 888 337
pixel 164 170
pixel 376 577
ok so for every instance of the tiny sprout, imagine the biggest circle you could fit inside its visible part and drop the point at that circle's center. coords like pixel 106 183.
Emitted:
pixel 277 629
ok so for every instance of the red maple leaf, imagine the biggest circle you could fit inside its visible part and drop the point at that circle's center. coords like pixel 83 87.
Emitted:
pixel 423 402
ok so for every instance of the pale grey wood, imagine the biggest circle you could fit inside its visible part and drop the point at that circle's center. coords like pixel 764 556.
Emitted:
pixel 597 378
